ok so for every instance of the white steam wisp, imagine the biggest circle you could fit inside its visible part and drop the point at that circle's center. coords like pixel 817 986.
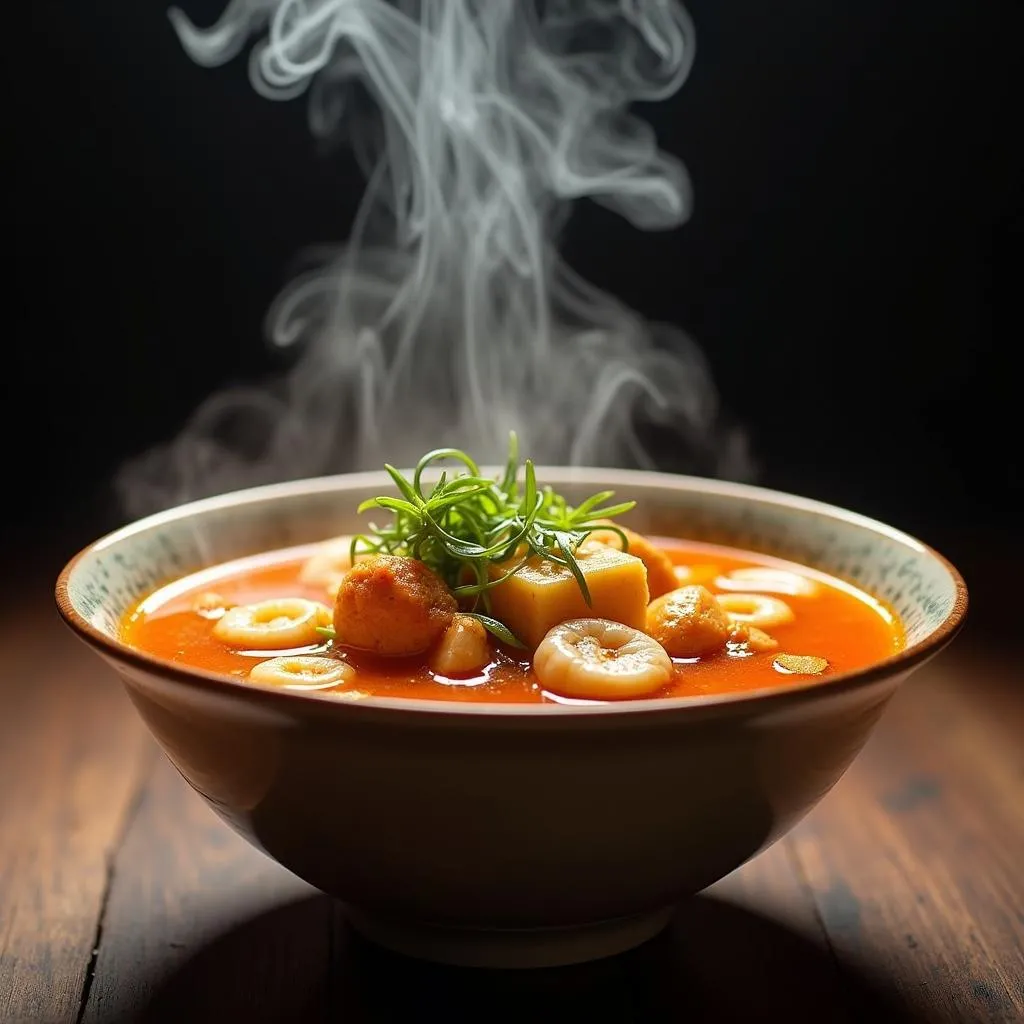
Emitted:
pixel 448 318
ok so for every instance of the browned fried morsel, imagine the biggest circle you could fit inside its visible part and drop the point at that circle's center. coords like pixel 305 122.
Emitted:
pixel 391 605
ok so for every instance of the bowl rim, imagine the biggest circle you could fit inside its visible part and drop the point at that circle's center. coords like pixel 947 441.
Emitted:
pixel 786 694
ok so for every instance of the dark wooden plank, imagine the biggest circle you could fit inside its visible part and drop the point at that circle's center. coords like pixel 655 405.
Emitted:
pixel 771 885
pixel 915 857
pixel 72 755
pixel 783 938
pixel 748 948
pixel 201 926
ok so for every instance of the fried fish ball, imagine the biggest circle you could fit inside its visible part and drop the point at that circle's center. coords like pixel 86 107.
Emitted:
pixel 391 605
pixel 688 622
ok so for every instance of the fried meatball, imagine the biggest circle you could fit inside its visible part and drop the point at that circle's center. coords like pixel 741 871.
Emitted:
pixel 392 606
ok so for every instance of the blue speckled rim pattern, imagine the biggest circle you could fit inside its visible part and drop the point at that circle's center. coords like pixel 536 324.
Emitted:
pixel 102 582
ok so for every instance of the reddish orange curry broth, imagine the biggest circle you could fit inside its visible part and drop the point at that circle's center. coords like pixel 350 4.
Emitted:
pixel 838 622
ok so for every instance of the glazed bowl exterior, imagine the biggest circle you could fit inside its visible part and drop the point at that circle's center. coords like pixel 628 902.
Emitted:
pixel 510 835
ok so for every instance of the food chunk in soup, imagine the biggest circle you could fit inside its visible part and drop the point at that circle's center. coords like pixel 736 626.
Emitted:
pixel 661 577
pixel 688 622
pixel 542 593
pixel 392 606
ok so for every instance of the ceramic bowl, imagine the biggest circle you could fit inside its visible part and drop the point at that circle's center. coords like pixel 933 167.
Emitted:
pixel 510 835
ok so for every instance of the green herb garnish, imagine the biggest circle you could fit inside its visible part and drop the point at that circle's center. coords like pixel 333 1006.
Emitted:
pixel 466 524
pixel 498 629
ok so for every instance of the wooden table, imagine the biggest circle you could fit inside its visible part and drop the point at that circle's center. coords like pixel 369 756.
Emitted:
pixel 123 898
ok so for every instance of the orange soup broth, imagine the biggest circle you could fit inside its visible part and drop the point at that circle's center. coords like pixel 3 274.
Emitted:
pixel 838 622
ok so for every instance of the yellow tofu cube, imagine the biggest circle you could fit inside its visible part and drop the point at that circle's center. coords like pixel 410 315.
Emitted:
pixel 543 594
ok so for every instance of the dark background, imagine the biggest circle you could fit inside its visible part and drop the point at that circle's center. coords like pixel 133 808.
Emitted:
pixel 852 267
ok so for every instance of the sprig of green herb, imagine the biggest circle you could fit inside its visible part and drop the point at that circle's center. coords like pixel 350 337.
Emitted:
pixel 498 629
pixel 466 524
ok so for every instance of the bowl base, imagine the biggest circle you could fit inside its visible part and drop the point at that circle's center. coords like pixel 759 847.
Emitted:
pixel 509 948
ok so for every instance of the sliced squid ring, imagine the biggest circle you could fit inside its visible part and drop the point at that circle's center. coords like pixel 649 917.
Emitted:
pixel 760 610
pixel 597 659
pixel 274 625
pixel 302 672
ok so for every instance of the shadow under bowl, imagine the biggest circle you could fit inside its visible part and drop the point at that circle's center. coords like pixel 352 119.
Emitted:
pixel 510 835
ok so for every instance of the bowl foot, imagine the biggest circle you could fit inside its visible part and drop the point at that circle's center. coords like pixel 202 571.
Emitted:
pixel 509 948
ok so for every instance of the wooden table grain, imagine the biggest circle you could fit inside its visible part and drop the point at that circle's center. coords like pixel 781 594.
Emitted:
pixel 122 898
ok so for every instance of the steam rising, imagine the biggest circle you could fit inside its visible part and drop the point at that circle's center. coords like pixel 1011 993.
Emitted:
pixel 448 317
